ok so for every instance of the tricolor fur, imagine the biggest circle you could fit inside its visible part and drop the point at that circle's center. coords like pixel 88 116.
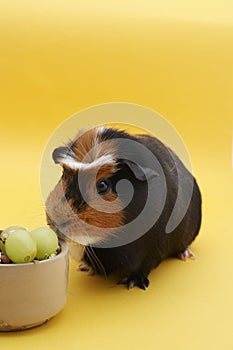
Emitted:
pixel 89 156
pixel 88 220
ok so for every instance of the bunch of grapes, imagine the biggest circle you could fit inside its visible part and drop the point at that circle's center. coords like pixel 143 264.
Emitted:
pixel 19 245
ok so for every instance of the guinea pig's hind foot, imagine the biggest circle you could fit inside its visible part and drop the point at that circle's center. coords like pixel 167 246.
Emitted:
pixel 135 279
pixel 86 268
pixel 186 254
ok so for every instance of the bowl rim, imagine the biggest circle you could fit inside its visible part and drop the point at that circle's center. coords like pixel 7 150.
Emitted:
pixel 64 251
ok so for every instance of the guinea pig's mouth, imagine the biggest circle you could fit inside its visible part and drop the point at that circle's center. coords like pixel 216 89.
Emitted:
pixel 58 228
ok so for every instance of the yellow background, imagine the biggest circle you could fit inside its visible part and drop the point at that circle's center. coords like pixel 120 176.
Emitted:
pixel 176 57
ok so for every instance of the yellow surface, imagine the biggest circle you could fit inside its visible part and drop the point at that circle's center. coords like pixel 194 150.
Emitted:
pixel 176 57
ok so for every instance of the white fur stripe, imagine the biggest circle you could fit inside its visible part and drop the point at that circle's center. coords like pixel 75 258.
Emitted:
pixel 101 129
pixel 75 165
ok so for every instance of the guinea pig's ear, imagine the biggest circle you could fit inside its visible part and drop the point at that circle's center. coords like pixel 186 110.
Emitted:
pixel 60 153
pixel 140 173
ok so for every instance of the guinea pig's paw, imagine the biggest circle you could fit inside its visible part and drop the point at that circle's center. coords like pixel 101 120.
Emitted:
pixel 135 279
pixel 186 254
pixel 86 268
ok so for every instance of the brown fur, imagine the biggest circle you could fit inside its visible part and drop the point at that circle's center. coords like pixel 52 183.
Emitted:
pixel 97 216
pixel 61 212
pixel 83 144
pixel 102 218
pixel 86 146
pixel 106 171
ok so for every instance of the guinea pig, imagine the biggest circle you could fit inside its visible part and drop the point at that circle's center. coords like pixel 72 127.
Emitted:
pixel 127 199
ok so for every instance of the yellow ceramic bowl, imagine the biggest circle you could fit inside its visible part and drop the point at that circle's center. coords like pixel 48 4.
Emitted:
pixel 32 293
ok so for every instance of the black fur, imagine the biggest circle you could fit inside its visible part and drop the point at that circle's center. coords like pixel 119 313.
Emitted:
pixel 72 192
pixel 135 260
pixel 109 134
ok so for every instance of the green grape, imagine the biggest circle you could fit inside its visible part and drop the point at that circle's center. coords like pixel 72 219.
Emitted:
pixel 5 233
pixel 46 242
pixel 20 247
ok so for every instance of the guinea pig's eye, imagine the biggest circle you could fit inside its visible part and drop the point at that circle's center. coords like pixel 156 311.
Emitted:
pixel 103 186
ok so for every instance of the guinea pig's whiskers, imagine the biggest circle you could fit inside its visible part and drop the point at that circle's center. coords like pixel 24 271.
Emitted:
pixel 98 262
pixel 95 260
